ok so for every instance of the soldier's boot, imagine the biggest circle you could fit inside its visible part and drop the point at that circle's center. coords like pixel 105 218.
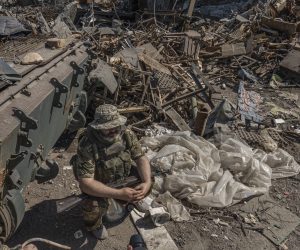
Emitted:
pixel 100 233
pixel 92 216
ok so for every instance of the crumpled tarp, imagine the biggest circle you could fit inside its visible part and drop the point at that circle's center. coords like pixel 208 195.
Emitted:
pixel 206 176
pixel 177 211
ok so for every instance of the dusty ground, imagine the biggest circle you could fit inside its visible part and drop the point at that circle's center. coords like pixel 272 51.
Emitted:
pixel 204 233
pixel 41 219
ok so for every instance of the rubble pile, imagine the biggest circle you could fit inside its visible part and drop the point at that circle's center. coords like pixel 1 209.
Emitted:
pixel 183 72
pixel 225 71
pixel 181 78
pixel 192 76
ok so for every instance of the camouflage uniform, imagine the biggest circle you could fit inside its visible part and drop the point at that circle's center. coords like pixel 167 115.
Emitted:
pixel 105 162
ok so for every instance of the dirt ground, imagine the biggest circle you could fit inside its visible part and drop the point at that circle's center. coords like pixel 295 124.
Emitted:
pixel 42 221
pixel 205 234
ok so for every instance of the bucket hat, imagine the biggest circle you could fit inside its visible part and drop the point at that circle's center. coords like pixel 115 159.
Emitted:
pixel 107 117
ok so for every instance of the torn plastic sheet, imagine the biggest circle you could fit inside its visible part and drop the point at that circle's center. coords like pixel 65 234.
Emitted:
pixel 276 160
pixel 205 176
pixel 155 130
pixel 159 216
pixel 177 211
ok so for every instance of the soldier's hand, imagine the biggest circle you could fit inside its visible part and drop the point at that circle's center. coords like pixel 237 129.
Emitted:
pixel 142 190
pixel 127 194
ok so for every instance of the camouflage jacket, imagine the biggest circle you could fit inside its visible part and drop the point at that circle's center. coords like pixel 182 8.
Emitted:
pixel 106 163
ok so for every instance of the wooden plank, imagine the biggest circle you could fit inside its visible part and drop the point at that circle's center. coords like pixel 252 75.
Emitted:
pixel 283 26
pixel 177 119
pixel 191 8
pixel 155 238
pixel 135 109
pixel 153 64
pixel 236 49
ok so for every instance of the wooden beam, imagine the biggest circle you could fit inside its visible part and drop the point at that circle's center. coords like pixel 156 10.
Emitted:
pixel 191 8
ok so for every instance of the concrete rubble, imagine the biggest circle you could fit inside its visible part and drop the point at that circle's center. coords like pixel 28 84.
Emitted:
pixel 210 87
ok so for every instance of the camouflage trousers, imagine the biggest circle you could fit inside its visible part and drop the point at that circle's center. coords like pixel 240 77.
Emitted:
pixel 93 211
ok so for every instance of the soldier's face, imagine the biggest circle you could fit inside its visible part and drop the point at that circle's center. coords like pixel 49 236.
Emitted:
pixel 111 133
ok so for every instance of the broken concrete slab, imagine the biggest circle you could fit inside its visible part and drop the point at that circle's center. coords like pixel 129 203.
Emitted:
pixel 291 63
pixel 241 19
pixel 278 222
pixel 10 26
pixel 150 50
pixel 44 27
pixel 106 31
pixel 60 28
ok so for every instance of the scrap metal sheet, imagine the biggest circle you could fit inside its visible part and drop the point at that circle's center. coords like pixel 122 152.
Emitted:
pixel 104 73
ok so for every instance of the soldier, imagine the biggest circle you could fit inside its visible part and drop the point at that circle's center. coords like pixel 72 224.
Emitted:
pixel 106 153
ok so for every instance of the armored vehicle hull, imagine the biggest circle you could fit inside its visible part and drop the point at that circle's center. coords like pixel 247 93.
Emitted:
pixel 34 112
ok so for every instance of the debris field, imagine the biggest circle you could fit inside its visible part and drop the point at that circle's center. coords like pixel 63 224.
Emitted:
pixel 211 88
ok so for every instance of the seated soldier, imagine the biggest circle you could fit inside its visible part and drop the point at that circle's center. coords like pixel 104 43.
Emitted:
pixel 106 152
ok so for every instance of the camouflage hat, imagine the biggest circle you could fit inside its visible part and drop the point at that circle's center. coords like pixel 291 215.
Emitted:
pixel 107 117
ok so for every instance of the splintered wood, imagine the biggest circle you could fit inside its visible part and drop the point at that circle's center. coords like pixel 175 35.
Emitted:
pixel 165 72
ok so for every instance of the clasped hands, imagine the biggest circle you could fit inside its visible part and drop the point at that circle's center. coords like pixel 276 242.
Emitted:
pixel 135 194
